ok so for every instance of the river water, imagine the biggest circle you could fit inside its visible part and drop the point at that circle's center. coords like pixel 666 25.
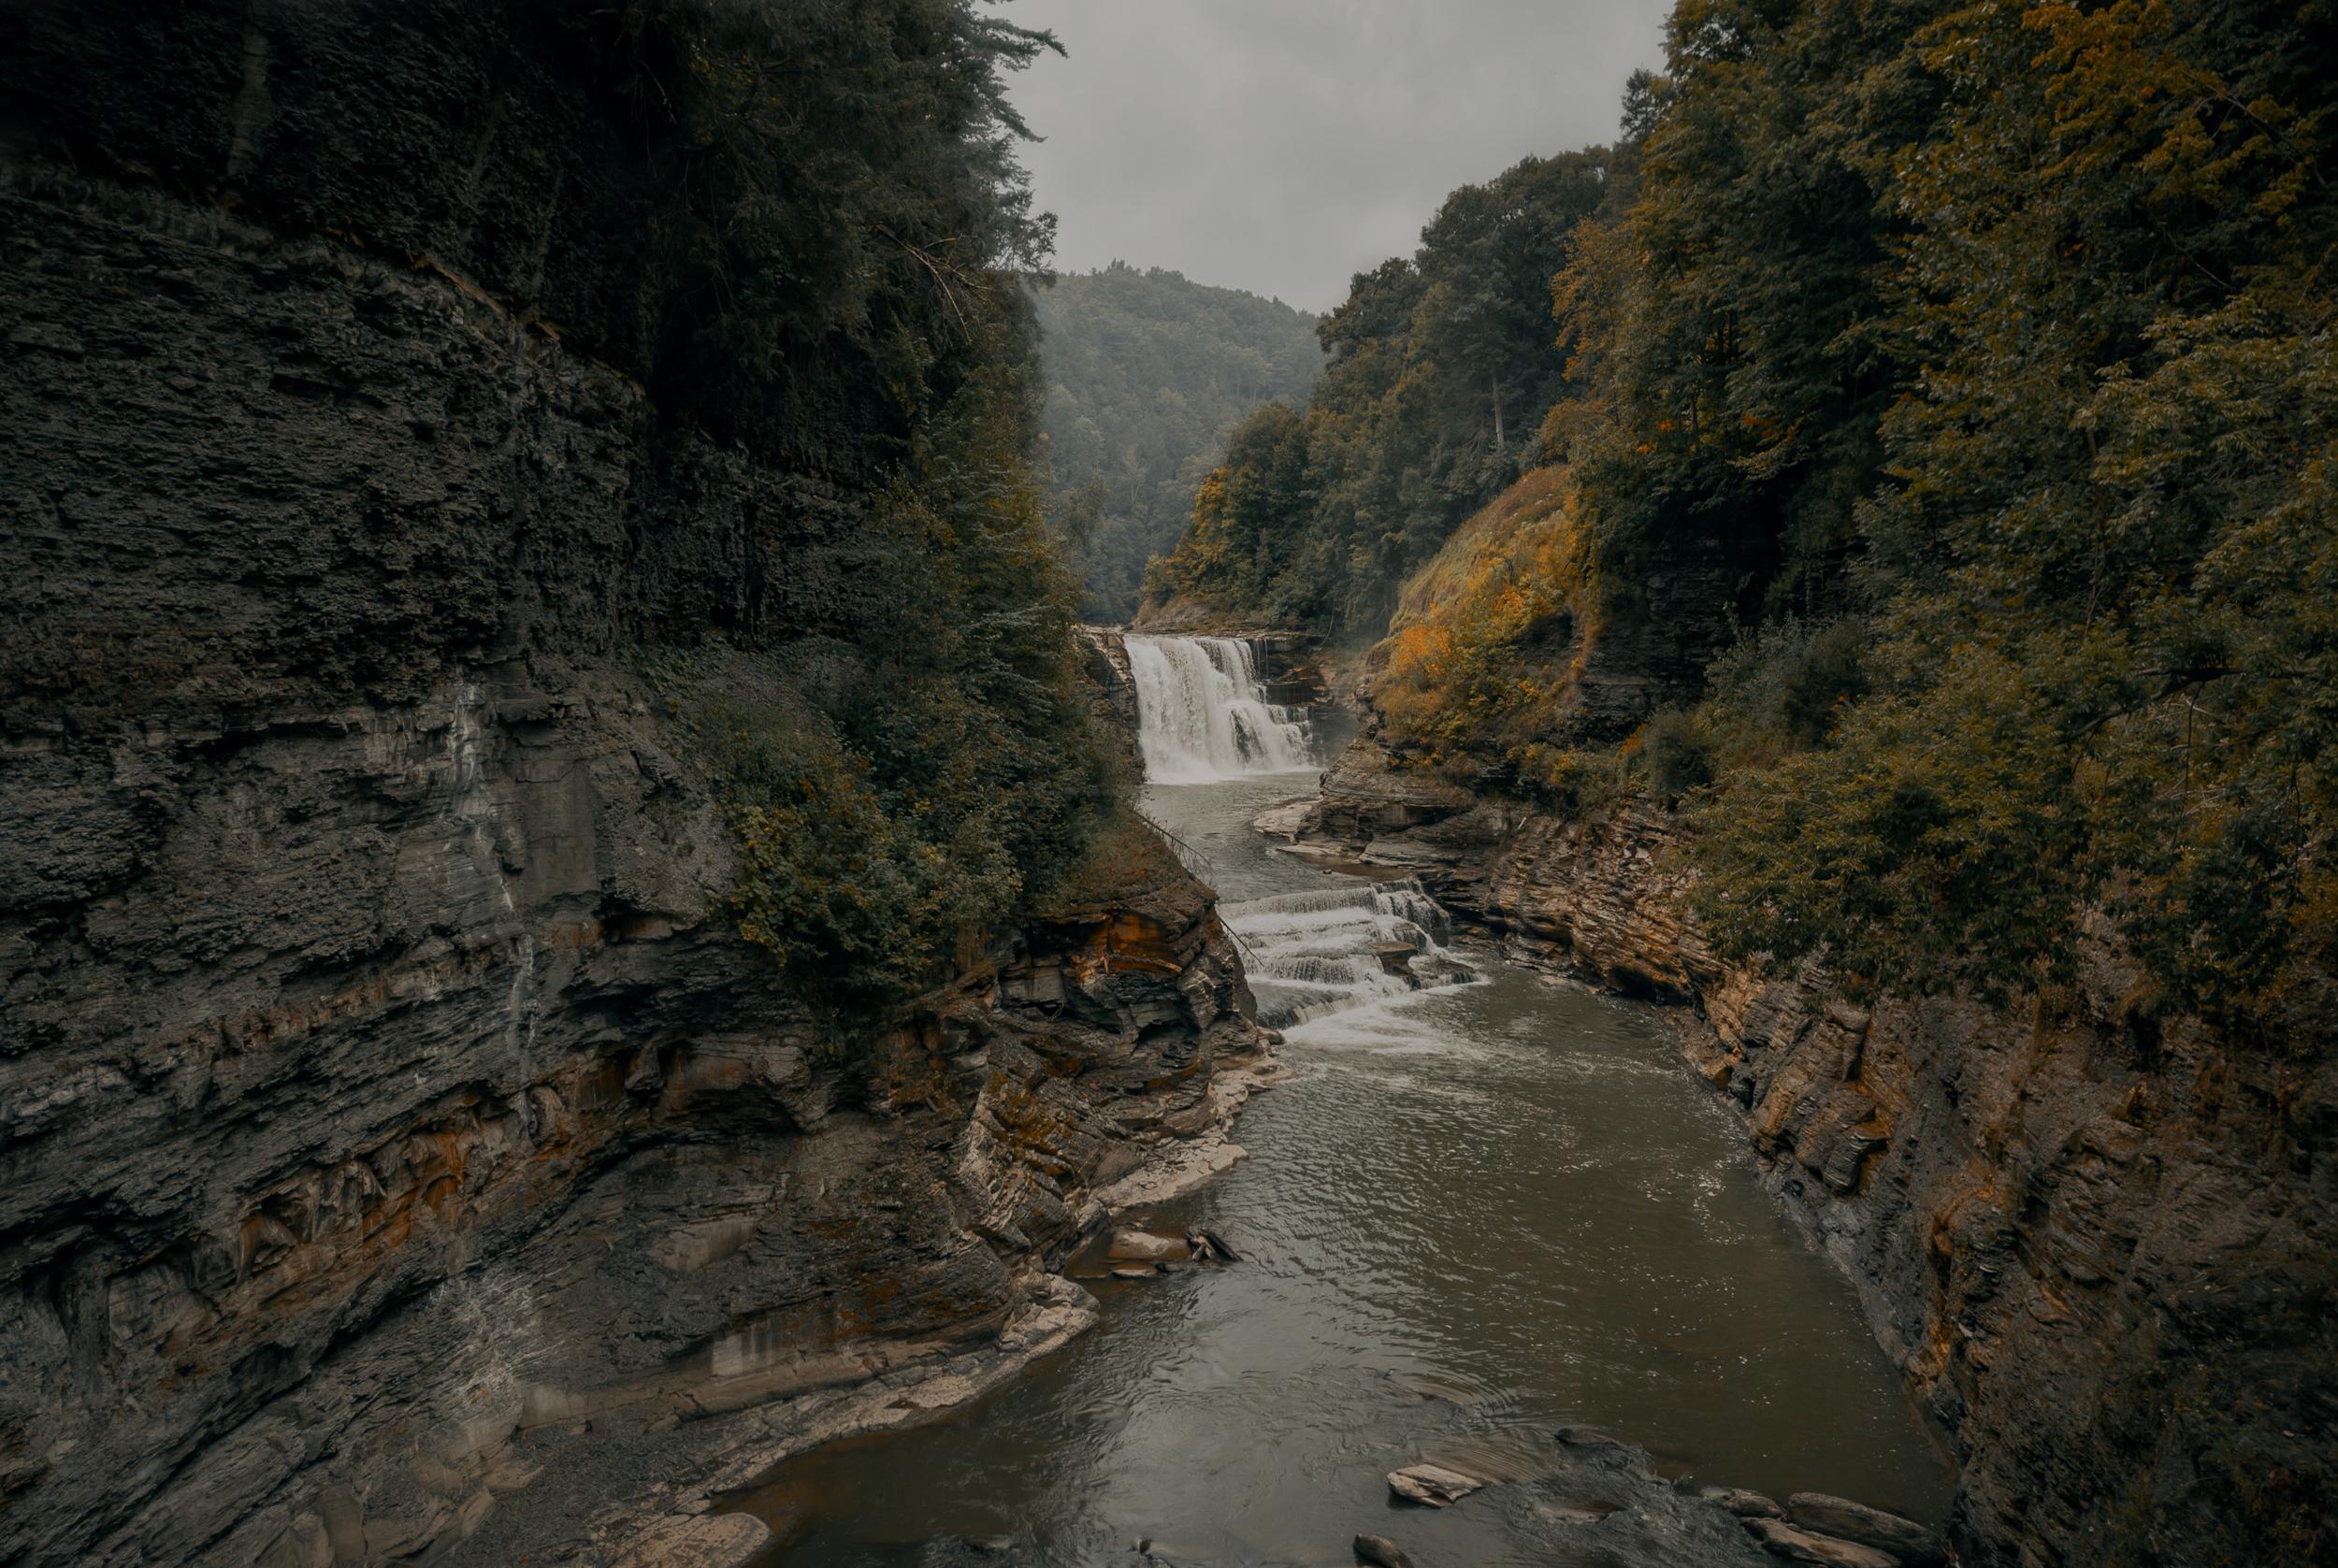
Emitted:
pixel 1480 1212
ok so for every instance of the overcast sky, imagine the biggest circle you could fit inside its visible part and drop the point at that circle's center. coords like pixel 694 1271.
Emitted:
pixel 1281 146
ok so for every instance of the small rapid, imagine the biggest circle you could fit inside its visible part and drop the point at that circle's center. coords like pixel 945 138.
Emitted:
pixel 1203 712
pixel 1313 953
pixel 1487 1208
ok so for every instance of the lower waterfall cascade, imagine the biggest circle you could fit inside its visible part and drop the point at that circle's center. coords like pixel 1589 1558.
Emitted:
pixel 1203 712
pixel 1203 718
pixel 1311 955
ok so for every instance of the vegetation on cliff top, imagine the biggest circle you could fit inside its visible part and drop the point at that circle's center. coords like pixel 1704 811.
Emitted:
pixel 1989 352
pixel 849 231
pixel 1147 372
pixel 1441 370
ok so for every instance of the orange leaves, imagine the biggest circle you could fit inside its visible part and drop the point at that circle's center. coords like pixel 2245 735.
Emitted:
pixel 1484 642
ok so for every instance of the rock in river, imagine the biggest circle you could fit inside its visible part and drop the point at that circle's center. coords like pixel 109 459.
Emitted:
pixel 1211 1247
pixel 1378 1551
pixel 1143 1246
pixel 1781 1539
pixel 1745 1504
pixel 1904 1539
pixel 1432 1485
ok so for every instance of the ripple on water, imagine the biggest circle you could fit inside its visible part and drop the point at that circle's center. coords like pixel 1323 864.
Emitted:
pixel 1477 1213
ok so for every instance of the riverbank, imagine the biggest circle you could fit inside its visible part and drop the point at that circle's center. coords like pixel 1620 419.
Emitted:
pixel 2079 1234
pixel 1479 1213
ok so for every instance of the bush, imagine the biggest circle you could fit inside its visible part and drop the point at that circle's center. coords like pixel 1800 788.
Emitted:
pixel 1784 687
pixel 862 905
pixel 1676 751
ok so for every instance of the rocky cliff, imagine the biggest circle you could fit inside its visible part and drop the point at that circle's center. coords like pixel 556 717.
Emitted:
pixel 384 1096
pixel 2100 1247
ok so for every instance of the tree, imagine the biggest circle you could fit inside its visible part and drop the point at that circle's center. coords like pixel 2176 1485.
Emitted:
pixel 1442 369
pixel 1147 372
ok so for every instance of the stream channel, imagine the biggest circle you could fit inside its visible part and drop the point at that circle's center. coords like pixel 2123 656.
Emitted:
pixel 1480 1212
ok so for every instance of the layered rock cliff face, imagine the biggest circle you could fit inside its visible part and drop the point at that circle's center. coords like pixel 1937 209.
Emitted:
pixel 380 1081
pixel 2101 1249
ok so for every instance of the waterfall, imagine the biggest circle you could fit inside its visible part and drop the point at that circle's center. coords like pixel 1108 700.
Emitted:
pixel 1313 953
pixel 1203 715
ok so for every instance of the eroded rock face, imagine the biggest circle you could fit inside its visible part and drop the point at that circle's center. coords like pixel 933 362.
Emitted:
pixel 2103 1250
pixel 380 1076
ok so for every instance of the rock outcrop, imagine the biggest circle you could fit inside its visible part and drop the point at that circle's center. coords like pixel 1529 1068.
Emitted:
pixel 2103 1248
pixel 383 1092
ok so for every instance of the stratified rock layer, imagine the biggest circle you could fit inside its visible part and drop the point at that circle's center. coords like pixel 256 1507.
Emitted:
pixel 2102 1248
pixel 380 1080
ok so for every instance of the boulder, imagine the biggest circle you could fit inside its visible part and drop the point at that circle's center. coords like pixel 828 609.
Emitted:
pixel 1905 1539
pixel 1143 1246
pixel 1781 1539
pixel 1378 1551
pixel 1431 1484
pixel 1287 821
pixel 1211 1247
pixel 1745 1504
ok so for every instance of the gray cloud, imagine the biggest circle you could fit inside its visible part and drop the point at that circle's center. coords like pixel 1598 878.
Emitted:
pixel 1282 145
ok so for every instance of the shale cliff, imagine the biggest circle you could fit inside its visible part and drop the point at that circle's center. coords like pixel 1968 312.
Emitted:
pixel 384 1092
pixel 2100 1247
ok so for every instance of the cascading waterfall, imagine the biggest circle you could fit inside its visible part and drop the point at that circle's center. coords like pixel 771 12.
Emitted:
pixel 1203 716
pixel 1310 955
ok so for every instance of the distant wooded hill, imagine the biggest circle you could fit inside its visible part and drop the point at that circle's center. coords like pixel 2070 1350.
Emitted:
pixel 1146 371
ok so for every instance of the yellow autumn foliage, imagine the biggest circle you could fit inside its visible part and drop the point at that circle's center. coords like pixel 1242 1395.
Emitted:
pixel 1485 637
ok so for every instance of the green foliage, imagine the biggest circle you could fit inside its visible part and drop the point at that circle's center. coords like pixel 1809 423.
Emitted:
pixel 2064 414
pixel 1146 373
pixel 838 190
pixel 861 904
pixel 1785 685
pixel 1442 370
pixel 1677 749
pixel 913 788
pixel 852 232
pixel 1918 853
pixel 1984 358
pixel 1725 329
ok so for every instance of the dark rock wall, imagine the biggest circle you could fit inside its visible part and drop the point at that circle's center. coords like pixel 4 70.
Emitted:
pixel 2103 1251
pixel 379 1074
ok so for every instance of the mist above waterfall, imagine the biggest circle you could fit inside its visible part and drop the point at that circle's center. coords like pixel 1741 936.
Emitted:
pixel 1203 715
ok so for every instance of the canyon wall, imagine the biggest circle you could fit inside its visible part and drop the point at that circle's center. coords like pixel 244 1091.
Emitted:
pixel 2103 1249
pixel 382 1086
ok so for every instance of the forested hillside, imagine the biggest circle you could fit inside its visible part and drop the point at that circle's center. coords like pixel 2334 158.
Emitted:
pixel 1989 355
pixel 1932 579
pixel 1145 373
pixel 1442 373
pixel 918 766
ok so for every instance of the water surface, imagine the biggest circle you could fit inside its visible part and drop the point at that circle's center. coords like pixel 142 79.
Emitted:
pixel 1477 1213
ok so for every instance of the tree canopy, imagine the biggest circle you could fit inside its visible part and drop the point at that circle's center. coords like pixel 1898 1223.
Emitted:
pixel 1442 369
pixel 1145 373
pixel 847 231
pixel 1979 360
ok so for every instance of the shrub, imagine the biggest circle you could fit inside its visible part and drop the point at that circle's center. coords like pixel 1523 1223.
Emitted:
pixel 1676 751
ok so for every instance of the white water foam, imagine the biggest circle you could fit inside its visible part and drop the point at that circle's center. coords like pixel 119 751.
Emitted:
pixel 1203 716
pixel 1311 955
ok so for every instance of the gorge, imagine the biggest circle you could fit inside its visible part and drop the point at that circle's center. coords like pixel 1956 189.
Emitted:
pixel 1485 1207
pixel 1692 924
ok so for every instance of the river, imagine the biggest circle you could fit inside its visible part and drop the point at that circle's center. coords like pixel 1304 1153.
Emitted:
pixel 1478 1213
